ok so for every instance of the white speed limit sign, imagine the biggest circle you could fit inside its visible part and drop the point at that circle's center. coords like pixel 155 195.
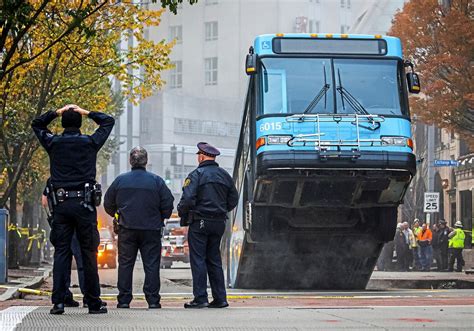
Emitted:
pixel 431 204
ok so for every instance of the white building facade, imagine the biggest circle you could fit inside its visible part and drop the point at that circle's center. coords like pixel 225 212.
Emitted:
pixel 204 95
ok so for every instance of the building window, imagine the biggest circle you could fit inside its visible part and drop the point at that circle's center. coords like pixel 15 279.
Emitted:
pixel 210 70
pixel 176 32
pixel 348 4
pixel 313 26
pixel 205 127
pixel 176 75
pixel 211 2
pixel 343 3
pixel 211 31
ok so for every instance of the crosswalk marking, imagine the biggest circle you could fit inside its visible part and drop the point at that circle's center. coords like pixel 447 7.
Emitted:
pixel 12 316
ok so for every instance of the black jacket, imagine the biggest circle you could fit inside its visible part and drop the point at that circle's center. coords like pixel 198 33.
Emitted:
pixel 209 192
pixel 141 198
pixel 443 239
pixel 72 155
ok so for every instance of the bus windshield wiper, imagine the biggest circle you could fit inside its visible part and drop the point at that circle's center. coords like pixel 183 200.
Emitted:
pixel 354 103
pixel 322 93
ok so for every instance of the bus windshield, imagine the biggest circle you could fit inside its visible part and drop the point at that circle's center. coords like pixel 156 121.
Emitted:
pixel 313 85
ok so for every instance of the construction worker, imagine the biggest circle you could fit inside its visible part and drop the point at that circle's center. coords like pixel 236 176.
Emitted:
pixel 415 248
pixel 456 245
pixel 425 238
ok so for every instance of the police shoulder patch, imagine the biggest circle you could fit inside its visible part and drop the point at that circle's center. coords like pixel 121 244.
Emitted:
pixel 187 182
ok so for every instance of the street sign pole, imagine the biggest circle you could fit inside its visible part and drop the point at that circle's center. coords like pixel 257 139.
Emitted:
pixel 430 205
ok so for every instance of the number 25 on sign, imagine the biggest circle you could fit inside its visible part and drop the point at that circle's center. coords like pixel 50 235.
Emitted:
pixel 431 204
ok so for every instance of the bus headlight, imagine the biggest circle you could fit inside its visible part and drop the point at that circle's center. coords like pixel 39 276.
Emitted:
pixel 278 140
pixel 394 141
pixel 109 247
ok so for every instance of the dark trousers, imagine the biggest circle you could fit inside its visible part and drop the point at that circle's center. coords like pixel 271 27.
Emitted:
pixel 426 257
pixel 416 258
pixel 69 217
pixel 456 254
pixel 403 258
pixel 76 252
pixel 443 252
pixel 437 258
pixel 204 238
pixel 149 244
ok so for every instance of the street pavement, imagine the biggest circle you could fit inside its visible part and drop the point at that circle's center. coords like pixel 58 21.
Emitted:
pixel 391 309
pixel 175 280
pixel 291 318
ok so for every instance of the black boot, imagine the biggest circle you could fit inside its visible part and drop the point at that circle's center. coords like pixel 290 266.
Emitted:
pixel 216 304
pixel 101 310
pixel 57 309
pixel 195 305
pixel 70 302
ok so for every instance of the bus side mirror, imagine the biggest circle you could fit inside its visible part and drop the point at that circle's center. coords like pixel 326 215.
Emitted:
pixel 412 78
pixel 251 63
pixel 413 82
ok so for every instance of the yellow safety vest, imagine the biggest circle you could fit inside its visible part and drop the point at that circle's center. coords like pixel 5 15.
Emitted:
pixel 458 240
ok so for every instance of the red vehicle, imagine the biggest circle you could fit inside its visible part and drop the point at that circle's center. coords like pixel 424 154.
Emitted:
pixel 107 250
pixel 175 244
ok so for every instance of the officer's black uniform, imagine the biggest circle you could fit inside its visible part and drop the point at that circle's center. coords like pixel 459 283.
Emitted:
pixel 209 194
pixel 143 202
pixel 443 245
pixel 73 164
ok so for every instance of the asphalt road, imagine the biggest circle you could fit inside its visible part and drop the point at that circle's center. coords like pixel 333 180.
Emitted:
pixel 174 280
pixel 393 309
pixel 245 318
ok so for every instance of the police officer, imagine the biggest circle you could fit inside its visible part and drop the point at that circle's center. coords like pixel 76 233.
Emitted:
pixel 143 202
pixel 444 244
pixel 73 169
pixel 76 252
pixel 208 195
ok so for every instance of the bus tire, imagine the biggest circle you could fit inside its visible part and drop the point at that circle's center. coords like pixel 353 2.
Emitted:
pixel 386 224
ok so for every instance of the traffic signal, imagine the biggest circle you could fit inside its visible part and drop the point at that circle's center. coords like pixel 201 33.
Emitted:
pixel 174 155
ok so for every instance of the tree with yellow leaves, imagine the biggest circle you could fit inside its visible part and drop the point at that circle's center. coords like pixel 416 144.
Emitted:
pixel 59 52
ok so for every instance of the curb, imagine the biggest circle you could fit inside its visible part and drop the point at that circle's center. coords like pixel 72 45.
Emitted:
pixel 13 292
pixel 420 284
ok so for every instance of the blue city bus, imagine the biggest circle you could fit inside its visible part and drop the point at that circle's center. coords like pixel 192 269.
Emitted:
pixel 324 158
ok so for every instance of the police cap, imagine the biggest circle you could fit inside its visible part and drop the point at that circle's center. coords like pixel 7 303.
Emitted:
pixel 208 150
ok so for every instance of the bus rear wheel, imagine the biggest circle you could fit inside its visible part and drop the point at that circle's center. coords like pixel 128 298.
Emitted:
pixel 386 224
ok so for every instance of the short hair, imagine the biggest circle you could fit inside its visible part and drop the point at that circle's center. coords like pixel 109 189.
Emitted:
pixel 138 157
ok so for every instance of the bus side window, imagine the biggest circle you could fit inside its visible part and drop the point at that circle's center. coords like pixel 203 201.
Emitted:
pixel 275 99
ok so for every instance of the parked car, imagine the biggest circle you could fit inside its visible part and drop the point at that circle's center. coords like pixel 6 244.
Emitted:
pixel 107 250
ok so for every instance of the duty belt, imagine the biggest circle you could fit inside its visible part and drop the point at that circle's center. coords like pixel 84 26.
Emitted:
pixel 62 194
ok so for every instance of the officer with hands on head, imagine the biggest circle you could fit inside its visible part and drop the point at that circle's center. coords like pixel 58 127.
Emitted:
pixel 73 158
pixel 208 195
pixel 75 250
pixel 143 202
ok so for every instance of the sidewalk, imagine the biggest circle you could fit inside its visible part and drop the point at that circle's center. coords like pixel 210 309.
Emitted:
pixel 25 277
pixel 420 280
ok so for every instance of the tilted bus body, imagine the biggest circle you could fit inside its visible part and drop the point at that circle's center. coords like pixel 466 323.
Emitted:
pixel 324 159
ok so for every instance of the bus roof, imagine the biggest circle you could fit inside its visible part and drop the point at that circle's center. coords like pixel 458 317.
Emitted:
pixel 263 43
